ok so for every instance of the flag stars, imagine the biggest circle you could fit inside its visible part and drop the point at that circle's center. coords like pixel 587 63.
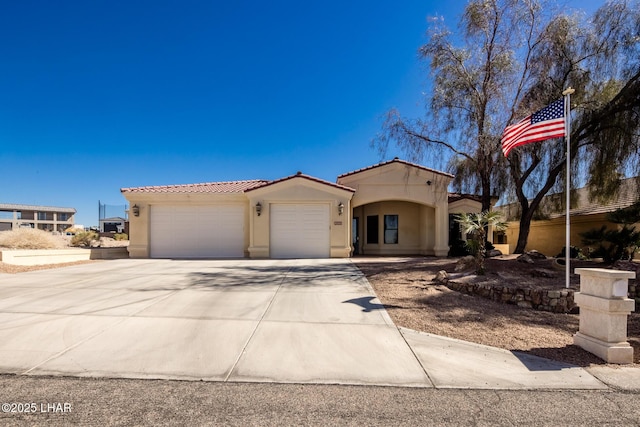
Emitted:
pixel 553 111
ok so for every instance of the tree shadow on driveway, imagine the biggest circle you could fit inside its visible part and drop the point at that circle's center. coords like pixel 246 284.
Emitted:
pixel 367 305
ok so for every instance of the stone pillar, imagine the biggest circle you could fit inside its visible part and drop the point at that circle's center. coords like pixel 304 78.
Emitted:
pixel 604 308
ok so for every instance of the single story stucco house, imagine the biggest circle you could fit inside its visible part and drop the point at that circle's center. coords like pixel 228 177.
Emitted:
pixel 391 208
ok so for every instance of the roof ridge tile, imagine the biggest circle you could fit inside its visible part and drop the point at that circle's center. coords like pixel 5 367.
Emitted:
pixel 394 160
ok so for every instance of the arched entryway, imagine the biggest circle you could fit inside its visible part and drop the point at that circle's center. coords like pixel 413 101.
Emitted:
pixel 393 227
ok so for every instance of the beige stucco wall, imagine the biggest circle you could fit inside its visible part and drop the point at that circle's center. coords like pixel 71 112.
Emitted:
pixel 548 236
pixel 303 191
pixel 397 182
pixel 465 206
pixel 58 256
pixel 416 228
pixel 139 239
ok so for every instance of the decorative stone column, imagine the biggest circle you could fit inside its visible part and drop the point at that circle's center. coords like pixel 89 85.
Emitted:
pixel 604 308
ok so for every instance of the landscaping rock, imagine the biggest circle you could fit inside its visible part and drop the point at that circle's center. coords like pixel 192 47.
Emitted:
pixel 536 255
pixel 442 278
pixel 525 258
pixel 553 294
pixel 493 253
pixel 466 263
pixel 541 272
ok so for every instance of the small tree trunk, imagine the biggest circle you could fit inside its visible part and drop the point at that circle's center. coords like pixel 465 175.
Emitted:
pixel 523 233
pixel 482 250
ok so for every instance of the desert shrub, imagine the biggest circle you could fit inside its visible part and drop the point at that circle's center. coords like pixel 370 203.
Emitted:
pixel 574 253
pixel 468 247
pixel 612 245
pixel 474 225
pixel 120 236
pixel 84 238
pixel 29 238
pixel 473 246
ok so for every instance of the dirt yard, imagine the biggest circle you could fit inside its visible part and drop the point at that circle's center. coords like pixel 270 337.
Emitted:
pixel 405 287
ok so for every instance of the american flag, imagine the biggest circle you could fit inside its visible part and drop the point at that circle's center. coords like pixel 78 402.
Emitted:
pixel 544 124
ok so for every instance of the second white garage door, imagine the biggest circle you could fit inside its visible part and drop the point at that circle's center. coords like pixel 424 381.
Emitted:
pixel 299 231
pixel 197 231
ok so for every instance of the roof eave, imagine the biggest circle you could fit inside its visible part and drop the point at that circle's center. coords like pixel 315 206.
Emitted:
pixel 395 160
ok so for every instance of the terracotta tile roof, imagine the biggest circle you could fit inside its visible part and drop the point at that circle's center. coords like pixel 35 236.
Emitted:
pixel 205 187
pixel 395 160
pixel 454 197
pixel 301 175
pixel 17 207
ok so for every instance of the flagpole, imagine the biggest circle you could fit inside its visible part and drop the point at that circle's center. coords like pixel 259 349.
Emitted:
pixel 567 125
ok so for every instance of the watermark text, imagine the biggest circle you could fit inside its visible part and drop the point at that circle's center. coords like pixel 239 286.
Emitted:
pixel 37 407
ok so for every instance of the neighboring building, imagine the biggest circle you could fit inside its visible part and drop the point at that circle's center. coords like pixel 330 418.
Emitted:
pixel 548 229
pixel 112 225
pixel 392 208
pixel 48 218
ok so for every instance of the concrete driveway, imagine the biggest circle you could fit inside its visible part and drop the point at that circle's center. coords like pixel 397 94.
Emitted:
pixel 312 321
pixel 301 321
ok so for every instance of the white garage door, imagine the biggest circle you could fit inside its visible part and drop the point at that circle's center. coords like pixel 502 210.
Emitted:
pixel 299 231
pixel 197 231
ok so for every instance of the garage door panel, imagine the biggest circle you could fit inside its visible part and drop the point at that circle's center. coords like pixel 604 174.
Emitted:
pixel 299 231
pixel 197 231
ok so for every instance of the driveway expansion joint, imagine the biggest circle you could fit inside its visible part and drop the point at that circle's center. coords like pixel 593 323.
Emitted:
pixel 264 313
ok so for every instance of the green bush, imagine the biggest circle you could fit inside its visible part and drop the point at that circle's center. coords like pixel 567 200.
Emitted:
pixel 120 236
pixel 574 253
pixel 474 225
pixel 612 245
pixel 84 238
pixel 29 238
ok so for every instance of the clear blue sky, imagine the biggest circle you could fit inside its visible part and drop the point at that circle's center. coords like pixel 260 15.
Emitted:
pixel 98 95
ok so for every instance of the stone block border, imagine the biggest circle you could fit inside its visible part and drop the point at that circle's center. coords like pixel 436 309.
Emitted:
pixel 556 301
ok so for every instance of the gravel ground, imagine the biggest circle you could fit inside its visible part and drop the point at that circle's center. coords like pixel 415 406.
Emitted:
pixel 404 286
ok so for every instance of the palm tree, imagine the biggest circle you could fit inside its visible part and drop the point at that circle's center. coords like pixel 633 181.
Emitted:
pixel 475 226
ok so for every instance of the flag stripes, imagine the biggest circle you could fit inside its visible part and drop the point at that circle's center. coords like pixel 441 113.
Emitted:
pixel 544 124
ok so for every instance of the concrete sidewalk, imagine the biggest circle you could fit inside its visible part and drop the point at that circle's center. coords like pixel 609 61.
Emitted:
pixel 288 321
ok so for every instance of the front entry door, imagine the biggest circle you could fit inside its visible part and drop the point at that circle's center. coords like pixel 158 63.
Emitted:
pixel 355 235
